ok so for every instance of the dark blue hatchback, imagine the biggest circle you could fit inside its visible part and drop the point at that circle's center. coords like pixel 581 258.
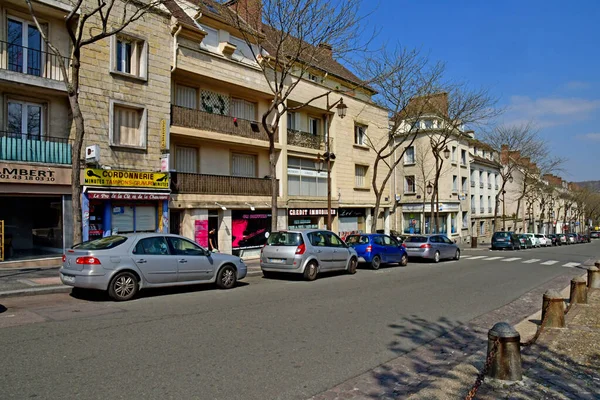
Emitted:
pixel 377 249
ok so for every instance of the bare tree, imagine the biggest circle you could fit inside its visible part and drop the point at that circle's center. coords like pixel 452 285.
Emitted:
pixel 290 39
pixel 88 22
pixel 426 172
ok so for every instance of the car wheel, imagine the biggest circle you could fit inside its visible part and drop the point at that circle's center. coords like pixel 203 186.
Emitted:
pixel 376 262
pixel 310 272
pixel 457 255
pixel 436 257
pixel 123 286
pixel 227 277
pixel 352 266
pixel 268 274
pixel 404 260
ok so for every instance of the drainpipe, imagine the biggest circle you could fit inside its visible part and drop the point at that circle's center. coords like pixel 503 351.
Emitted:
pixel 175 48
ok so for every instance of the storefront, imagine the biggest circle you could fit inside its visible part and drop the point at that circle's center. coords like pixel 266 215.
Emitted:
pixel 248 230
pixel 124 202
pixel 416 219
pixel 351 221
pixel 35 207
pixel 308 218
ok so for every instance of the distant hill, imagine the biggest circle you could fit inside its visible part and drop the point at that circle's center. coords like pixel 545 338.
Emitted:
pixel 592 185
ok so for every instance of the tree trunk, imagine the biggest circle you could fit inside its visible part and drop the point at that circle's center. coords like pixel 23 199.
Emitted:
pixel 375 215
pixel 78 120
pixel 274 184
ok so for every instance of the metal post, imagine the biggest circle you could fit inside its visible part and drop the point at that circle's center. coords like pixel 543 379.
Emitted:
pixel 503 211
pixel 504 353
pixel 328 186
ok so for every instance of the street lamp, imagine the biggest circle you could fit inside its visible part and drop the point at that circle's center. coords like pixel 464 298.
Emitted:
pixel 429 188
pixel 329 155
pixel 446 153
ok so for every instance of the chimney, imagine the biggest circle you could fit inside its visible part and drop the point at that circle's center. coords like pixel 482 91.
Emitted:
pixel 326 49
pixel 249 10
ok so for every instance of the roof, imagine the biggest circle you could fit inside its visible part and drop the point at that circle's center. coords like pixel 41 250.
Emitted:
pixel 481 160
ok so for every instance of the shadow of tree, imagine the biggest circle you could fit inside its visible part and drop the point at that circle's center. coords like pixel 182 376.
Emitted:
pixel 2 308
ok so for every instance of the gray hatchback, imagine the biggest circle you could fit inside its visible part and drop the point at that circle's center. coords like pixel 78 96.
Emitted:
pixel 433 247
pixel 306 252
pixel 123 264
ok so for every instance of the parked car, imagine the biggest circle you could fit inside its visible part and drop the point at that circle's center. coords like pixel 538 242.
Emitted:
pixel 124 264
pixel 585 238
pixel 525 240
pixel 434 247
pixel 554 240
pixel 395 234
pixel 571 238
pixel 562 239
pixel 543 240
pixel 534 240
pixel 307 252
pixel 505 240
pixel 377 249
pixel 595 235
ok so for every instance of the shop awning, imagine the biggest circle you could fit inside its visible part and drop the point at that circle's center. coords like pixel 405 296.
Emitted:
pixel 106 195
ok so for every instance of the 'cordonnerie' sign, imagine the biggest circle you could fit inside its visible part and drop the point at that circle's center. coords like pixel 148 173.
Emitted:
pixel 115 178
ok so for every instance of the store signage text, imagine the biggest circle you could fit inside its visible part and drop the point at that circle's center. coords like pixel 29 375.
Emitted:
pixel 301 212
pixel 45 175
pixel 128 196
pixel 108 177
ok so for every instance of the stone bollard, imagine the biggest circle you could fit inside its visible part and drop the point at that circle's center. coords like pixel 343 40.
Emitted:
pixel 553 310
pixel 594 277
pixel 505 363
pixel 578 291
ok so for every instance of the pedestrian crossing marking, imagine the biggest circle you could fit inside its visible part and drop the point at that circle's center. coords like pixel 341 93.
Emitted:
pixel 533 260
pixel 571 265
pixel 465 256
pixel 477 257
pixel 550 262
pixel 493 258
pixel 512 259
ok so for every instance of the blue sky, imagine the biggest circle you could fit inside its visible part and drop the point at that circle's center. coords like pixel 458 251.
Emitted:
pixel 540 58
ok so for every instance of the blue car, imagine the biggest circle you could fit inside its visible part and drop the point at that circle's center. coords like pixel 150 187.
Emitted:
pixel 377 249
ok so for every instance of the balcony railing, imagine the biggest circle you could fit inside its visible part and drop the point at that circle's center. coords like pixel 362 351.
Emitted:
pixel 473 210
pixel 35 148
pixel 197 119
pixel 305 139
pixel 497 187
pixel 482 210
pixel 481 185
pixel 30 61
pixel 489 185
pixel 490 210
pixel 182 182
pixel 472 183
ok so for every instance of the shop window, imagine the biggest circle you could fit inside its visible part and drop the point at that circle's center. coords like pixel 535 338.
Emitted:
pixel 360 134
pixel 154 246
pixel 409 184
pixel 243 165
pixel 243 109
pixel 129 55
pixel 128 127
pixel 128 218
pixel 186 97
pixel 360 173
pixel 186 159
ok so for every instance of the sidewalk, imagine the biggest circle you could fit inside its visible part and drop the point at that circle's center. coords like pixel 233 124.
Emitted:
pixel 45 280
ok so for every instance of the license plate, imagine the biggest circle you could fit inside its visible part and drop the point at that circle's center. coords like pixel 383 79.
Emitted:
pixel 500 240
pixel 277 260
pixel 69 278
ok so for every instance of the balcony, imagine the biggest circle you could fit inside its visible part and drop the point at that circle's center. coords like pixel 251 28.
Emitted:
pixel 197 119
pixel 32 62
pixel 472 183
pixel 482 210
pixel 490 210
pixel 489 185
pixel 473 210
pixel 189 183
pixel 481 185
pixel 305 139
pixel 35 148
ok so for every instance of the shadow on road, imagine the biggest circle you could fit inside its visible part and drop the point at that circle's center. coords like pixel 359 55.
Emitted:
pixel 2 309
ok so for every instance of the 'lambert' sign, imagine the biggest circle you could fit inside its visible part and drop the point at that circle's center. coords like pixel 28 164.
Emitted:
pixel 22 173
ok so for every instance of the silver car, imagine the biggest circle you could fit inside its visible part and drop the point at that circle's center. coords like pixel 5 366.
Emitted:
pixel 307 252
pixel 124 264
pixel 433 247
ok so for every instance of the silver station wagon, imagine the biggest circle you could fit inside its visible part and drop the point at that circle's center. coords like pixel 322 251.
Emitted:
pixel 124 264
pixel 307 252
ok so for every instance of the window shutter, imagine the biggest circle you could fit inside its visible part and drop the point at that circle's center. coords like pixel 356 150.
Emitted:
pixel 360 172
pixel 126 126
pixel 145 219
pixel 186 159
pixel 244 165
pixel 186 97
pixel 243 109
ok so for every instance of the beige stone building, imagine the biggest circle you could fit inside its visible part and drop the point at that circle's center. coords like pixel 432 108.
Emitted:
pixel 219 151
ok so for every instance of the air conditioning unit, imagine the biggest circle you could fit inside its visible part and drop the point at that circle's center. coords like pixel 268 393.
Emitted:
pixel 92 154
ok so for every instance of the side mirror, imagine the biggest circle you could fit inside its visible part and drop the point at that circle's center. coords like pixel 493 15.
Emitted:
pixel 267 234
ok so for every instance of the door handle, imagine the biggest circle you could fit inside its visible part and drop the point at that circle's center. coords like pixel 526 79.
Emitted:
pixel 319 251
pixel 182 261
pixel 141 261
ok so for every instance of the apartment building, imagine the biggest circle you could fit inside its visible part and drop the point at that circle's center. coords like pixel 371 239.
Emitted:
pixel 219 152
pixel 124 96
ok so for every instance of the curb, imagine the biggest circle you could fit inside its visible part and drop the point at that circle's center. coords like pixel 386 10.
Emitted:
pixel 36 291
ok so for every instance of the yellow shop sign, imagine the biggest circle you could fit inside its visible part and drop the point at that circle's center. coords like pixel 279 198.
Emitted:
pixel 111 177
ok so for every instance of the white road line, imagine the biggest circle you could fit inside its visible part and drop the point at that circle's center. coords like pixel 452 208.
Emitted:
pixel 512 259
pixel 476 257
pixel 463 256
pixel 550 262
pixel 493 258
pixel 533 260
pixel 571 265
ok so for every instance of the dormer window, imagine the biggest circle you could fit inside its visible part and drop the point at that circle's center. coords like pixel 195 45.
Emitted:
pixel 428 123
pixel 313 77
pixel 211 40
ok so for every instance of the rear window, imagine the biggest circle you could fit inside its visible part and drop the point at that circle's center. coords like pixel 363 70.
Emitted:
pixel 285 239
pixel 416 239
pixel 357 239
pixel 501 234
pixel 104 243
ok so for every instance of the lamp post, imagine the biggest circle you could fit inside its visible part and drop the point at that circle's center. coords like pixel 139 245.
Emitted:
pixel 429 189
pixel 329 155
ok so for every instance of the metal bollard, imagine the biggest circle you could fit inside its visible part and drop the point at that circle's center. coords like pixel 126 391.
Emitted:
pixel 504 353
pixel 594 277
pixel 553 310
pixel 578 291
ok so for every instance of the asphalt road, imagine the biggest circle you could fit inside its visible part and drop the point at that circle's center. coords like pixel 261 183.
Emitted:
pixel 266 339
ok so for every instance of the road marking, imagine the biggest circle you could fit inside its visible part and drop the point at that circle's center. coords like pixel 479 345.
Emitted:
pixel 493 258
pixel 550 262
pixel 462 256
pixel 512 259
pixel 571 265
pixel 476 257
pixel 533 260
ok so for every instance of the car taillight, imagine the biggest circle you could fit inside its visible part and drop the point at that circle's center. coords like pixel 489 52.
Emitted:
pixel 404 245
pixel 426 246
pixel 369 249
pixel 301 249
pixel 87 261
pixel 64 258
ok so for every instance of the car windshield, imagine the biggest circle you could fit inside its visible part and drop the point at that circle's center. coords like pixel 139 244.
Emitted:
pixel 501 234
pixel 285 239
pixel 415 239
pixel 104 243
pixel 539 236
pixel 357 239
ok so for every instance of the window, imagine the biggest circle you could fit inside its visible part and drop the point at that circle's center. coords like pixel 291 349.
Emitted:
pixel 409 184
pixel 314 126
pixel 409 155
pixel 243 109
pixel 454 184
pixel 211 40
pixel 378 240
pixel 104 243
pixel 26 119
pixel 360 132
pixel 465 220
pixel 24 47
pixel 313 77
pixel 304 179
pixel 453 154
pixel 428 123
pixel 317 239
pixel 334 240
pixel 285 239
pixel 243 52
pixel 184 247
pixel 464 184
pixel 243 165
pixel 490 202
pixel 186 159
pixel 129 55
pixel 482 228
pixel 463 157
pixel 291 121
pixel 186 97
pixel 360 173
pixel 128 126
pixel 153 246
